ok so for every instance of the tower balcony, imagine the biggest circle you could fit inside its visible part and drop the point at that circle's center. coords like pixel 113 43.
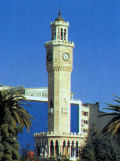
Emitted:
pixel 49 134
pixel 59 42
pixel 59 23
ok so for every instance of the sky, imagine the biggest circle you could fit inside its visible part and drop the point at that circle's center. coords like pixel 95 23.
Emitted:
pixel 94 28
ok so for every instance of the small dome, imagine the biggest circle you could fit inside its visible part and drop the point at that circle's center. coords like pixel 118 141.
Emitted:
pixel 59 19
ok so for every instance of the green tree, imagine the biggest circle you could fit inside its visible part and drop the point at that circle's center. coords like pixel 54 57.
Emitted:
pixel 113 125
pixel 99 147
pixel 13 118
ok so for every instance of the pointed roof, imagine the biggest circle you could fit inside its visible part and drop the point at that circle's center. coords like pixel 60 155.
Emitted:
pixel 59 18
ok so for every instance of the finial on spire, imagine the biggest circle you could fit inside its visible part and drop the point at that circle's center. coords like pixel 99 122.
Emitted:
pixel 59 18
pixel 59 13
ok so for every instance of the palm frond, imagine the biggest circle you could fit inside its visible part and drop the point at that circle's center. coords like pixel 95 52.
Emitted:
pixel 116 96
pixel 108 114
pixel 14 102
pixel 113 126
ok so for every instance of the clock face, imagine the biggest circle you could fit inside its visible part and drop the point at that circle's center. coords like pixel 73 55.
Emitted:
pixel 65 56
pixel 49 57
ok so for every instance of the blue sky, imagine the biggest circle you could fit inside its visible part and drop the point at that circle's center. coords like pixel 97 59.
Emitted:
pixel 94 28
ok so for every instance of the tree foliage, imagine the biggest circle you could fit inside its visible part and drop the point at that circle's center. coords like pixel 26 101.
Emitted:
pixel 13 117
pixel 113 125
pixel 99 147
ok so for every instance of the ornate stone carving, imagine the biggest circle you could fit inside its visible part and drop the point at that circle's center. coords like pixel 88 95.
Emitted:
pixel 59 68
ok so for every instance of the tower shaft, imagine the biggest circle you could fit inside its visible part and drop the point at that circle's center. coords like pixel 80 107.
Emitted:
pixel 59 66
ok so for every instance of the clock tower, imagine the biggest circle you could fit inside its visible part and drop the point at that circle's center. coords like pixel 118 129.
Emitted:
pixel 59 140
pixel 59 60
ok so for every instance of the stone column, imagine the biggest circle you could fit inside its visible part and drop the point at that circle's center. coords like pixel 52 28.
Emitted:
pixel 70 149
pixel 55 154
pixel 42 149
pixel 79 149
pixel 53 148
pixel 75 150
pixel 65 150
pixel 60 147
pixel 48 150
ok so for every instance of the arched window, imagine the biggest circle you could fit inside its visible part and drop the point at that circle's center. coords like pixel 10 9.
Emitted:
pixel 61 34
pixel 57 147
pixel 64 34
pixel 51 148
pixel 64 143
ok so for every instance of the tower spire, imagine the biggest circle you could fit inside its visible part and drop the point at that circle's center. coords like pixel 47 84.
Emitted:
pixel 59 13
pixel 59 18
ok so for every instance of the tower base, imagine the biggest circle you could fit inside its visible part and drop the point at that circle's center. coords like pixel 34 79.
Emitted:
pixel 56 145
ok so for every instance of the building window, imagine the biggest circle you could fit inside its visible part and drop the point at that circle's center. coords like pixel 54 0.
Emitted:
pixel 51 103
pixel 85 130
pixel 84 113
pixel 85 121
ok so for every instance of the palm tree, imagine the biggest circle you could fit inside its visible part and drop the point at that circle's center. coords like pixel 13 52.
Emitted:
pixel 113 125
pixel 14 102
pixel 13 118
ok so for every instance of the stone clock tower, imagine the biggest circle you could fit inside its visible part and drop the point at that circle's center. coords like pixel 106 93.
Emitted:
pixel 59 59
pixel 59 140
